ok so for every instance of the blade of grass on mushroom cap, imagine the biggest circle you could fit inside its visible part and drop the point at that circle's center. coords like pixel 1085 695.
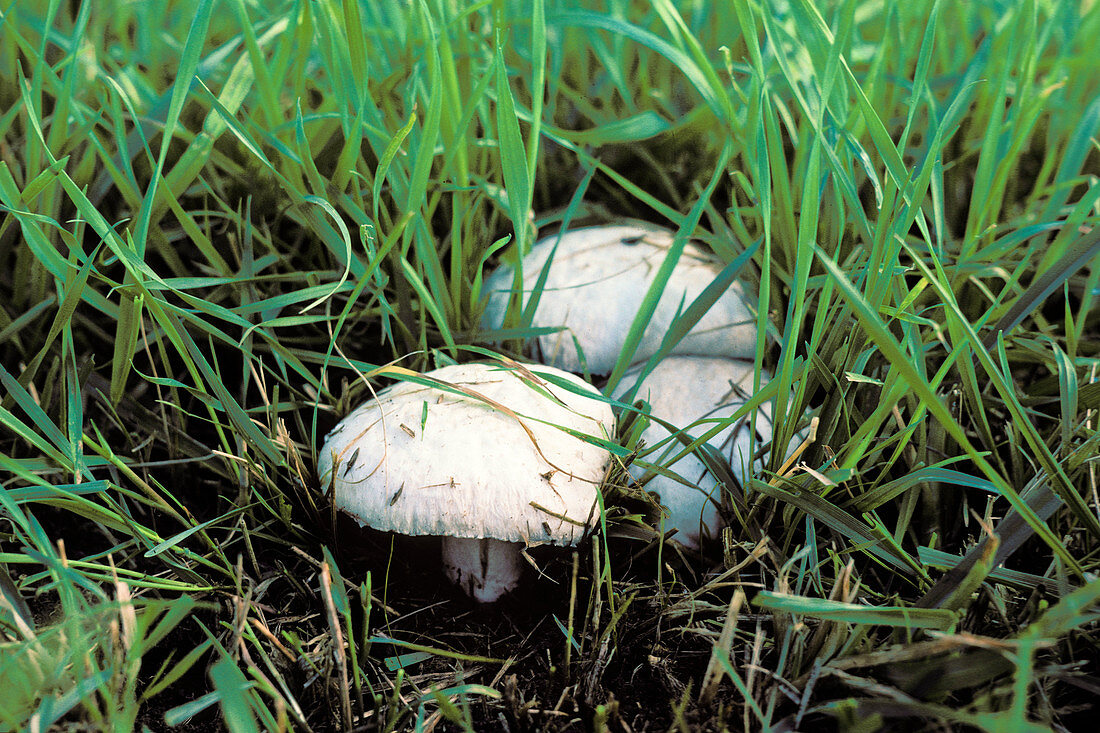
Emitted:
pixel 664 272
pixel 520 418
pixel 530 308
pixel 764 394
pixel 759 165
pixel 686 320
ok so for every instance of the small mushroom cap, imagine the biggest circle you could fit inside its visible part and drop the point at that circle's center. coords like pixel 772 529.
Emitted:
pixel 423 460
pixel 682 390
pixel 595 286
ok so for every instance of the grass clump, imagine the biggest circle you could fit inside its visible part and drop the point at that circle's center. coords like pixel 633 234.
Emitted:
pixel 220 222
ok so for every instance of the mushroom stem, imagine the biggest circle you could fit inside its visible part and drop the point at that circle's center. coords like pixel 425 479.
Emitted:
pixel 485 568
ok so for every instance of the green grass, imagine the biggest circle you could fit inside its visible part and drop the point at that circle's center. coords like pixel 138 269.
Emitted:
pixel 218 221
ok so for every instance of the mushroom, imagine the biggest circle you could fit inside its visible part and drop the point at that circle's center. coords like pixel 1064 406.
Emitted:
pixel 595 286
pixel 683 390
pixel 487 456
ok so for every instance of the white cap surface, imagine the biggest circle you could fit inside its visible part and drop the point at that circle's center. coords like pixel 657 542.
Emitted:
pixel 682 390
pixel 422 460
pixel 595 286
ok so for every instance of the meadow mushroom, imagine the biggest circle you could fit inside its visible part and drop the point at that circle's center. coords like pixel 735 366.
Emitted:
pixel 595 285
pixel 682 390
pixel 478 457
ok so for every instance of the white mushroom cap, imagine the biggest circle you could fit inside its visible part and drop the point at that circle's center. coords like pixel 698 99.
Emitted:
pixel 595 286
pixel 422 460
pixel 682 390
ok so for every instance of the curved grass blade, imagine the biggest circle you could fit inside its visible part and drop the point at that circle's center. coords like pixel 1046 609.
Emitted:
pixel 852 613
pixel 702 78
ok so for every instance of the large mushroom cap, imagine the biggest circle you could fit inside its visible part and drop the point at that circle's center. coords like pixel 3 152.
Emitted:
pixel 682 390
pixel 423 460
pixel 595 286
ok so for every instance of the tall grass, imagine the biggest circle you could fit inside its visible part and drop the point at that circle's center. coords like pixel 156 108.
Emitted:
pixel 221 222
